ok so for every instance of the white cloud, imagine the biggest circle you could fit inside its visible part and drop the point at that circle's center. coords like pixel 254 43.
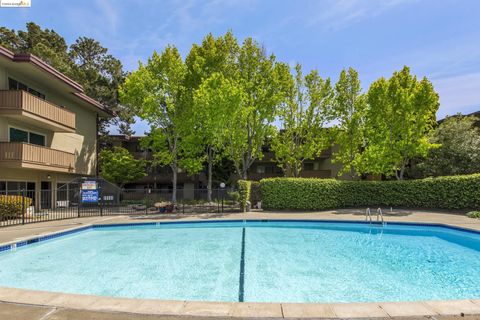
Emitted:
pixel 340 14
pixel 110 13
pixel 458 94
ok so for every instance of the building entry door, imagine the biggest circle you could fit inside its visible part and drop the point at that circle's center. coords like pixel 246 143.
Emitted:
pixel 46 195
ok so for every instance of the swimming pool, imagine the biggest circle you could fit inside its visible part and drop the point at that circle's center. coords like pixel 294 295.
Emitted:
pixel 255 261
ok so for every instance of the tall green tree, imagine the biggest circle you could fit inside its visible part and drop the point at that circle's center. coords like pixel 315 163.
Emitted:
pixel 214 103
pixel 213 55
pixel 262 81
pixel 304 114
pixel 212 97
pixel 44 43
pixel 100 74
pixel 349 109
pixel 119 166
pixel 458 151
pixel 156 93
pixel 400 116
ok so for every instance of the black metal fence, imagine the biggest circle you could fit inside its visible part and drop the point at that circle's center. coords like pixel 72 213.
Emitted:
pixel 29 206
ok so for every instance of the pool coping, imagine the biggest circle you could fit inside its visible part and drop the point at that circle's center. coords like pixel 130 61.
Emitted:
pixel 232 309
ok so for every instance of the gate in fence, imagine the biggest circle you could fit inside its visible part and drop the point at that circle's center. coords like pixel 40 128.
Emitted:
pixel 87 197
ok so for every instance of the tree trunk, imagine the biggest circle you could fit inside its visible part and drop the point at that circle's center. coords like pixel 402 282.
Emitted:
pixel 174 183
pixel 402 170
pixel 244 168
pixel 399 173
pixel 244 174
pixel 295 172
pixel 352 157
pixel 209 181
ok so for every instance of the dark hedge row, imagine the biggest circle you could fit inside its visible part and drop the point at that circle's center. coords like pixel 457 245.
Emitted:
pixel 454 192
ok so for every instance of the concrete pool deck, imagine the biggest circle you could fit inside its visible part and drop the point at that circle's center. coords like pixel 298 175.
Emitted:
pixel 40 305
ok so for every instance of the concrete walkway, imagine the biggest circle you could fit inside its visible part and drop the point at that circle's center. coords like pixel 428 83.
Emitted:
pixel 11 311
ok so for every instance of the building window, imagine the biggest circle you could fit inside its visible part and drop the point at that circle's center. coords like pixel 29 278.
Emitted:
pixel 17 85
pixel 308 166
pixel 18 135
pixel 37 139
pixel 14 187
pixel 311 166
pixel 260 169
pixel 268 169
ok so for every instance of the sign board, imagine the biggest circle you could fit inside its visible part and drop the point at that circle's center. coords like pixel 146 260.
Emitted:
pixel 89 185
pixel 89 196
pixel 15 3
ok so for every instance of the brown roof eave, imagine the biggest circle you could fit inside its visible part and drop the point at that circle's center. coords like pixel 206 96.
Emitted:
pixel 30 58
pixel 6 53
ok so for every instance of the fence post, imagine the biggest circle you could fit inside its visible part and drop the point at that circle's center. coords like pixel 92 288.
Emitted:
pixel 100 198
pixel 223 196
pixel 146 201
pixel 23 206
pixel 79 200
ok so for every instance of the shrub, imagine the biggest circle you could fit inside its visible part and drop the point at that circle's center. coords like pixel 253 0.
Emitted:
pixel 454 192
pixel 255 193
pixel 244 188
pixel 11 206
pixel 474 214
pixel 234 196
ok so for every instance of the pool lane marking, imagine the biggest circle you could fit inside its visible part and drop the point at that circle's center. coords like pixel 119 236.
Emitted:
pixel 241 289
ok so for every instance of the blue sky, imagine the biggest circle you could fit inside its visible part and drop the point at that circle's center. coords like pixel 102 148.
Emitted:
pixel 437 39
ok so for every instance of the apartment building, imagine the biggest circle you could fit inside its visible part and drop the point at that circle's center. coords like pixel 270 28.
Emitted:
pixel 157 177
pixel 160 177
pixel 48 127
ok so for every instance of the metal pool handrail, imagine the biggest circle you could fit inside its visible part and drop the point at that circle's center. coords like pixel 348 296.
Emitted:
pixel 368 215
pixel 380 215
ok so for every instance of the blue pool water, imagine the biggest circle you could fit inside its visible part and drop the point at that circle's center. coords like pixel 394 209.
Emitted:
pixel 282 262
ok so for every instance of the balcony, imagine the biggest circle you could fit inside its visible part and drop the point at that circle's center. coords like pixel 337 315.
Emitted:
pixel 259 176
pixel 28 108
pixel 321 174
pixel 25 155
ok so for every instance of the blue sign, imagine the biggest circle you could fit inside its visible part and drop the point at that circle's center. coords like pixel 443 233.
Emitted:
pixel 89 196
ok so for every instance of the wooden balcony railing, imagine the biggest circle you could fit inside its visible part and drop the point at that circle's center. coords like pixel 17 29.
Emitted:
pixel 25 155
pixel 322 174
pixel 258 176
pixel 22 103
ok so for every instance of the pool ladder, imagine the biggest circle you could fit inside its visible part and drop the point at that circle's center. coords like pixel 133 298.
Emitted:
pixel 368 216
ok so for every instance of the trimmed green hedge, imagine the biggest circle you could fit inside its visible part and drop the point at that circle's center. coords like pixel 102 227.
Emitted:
pixel 454 192
pixel 244 189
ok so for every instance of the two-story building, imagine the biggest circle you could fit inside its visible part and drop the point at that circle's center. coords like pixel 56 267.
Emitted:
pixel 48 127
pixel 157 177
pixel 161 177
